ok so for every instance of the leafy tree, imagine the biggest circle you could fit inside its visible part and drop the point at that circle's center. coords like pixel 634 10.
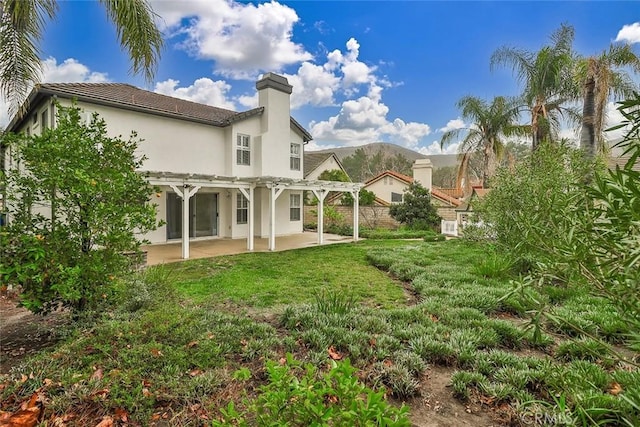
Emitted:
pixel 603 77
pixel 22 28
pixel 416 210
pixel 445 177
pixel 547 76
pixel 490 124
pixel 76 204
pixel 365 198
pixel 334 175
pixel 363 165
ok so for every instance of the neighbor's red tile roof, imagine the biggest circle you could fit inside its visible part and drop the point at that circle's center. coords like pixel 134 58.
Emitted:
pixel 397 175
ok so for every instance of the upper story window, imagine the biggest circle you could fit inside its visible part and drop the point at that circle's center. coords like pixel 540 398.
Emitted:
pixel 242 209
pixel 45 120
pixel 396 197
pixel 243 150
pixel 294 162
pixel 294 207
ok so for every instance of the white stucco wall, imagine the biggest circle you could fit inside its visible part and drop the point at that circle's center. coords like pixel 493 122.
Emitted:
pixel 169 144
pixel 385 186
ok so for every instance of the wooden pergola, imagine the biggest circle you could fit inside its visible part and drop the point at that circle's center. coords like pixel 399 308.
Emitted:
pixel 187 185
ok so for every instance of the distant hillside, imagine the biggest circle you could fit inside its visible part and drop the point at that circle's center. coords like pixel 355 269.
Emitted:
pixel 377 157
pixel 390 150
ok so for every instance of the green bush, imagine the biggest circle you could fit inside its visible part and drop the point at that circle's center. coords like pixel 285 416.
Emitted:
pixel 416 210
pixel 298 395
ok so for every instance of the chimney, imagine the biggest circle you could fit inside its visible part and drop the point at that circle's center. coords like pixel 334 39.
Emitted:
pixel 272 145
pixel 422 169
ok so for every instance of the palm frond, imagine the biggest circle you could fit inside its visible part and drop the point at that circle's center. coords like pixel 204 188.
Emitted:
pixel 21 29
pixel 137 33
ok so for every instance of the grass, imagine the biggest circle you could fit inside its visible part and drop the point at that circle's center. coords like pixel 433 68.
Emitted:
pixel 273 279
pixel 175 354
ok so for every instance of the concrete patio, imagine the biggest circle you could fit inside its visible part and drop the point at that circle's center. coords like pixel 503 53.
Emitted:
pixel 172 252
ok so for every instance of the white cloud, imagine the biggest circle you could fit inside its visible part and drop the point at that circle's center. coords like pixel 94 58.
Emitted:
pixel 613 118
pixel 629 33
pixel 453 125
pixel 242 39
pixel 313 85
pixel 203 90
pixel 70 70
pixel 434 148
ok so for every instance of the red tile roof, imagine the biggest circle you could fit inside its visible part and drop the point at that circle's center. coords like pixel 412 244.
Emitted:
pixel 437 193
pixel 397 175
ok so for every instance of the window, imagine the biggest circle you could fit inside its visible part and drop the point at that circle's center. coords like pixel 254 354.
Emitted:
pixel 396 198
pixel 45 120
pixel 242 209
pixel 295 157
pixel 294 207
pixel 243 151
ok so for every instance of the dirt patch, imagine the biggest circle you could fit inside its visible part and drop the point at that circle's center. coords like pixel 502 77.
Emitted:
pixel 24 333
pixel 439 408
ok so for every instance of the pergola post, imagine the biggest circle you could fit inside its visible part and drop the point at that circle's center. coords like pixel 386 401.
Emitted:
pixel 274 193
pixel 356 215
pixel 248 193
pixel 185 194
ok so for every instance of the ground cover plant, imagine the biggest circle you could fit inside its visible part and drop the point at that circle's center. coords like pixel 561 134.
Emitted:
pixel 197 351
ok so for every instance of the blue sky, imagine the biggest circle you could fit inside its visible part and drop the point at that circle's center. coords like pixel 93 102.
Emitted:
pixel 362 71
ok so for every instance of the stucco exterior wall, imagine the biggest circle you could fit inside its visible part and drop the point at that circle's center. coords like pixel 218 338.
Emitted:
pixel 386 185
pixel 169 144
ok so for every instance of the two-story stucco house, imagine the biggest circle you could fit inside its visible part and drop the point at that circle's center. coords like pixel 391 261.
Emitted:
pixel 222 174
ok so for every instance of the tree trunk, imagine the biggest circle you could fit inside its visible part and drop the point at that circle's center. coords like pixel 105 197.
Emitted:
pixel 588 132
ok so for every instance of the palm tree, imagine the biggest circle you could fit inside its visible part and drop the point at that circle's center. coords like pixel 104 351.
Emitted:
pixel 21 30
pixel 602 78
pixel 547 79
pixel 490 123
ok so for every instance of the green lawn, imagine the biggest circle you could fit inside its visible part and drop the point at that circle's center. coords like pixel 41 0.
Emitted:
pixel 265 279
pixel 178 347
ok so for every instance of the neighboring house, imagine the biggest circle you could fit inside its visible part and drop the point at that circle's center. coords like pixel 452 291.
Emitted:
pixel 389 188
pixel 464 212
pixel 242 173
pixel 316 163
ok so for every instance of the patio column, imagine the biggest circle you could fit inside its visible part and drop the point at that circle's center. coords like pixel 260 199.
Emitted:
pixel 356 214
pixel 274 193
pixel 248 193
pixel 186 194
pixel 320 194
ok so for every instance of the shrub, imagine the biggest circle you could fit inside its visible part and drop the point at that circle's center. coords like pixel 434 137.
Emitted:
pixel 416 210
pixel 298 395
pixel 97 204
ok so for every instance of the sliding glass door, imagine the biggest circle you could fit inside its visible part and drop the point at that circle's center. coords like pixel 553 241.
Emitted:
pixel 203 209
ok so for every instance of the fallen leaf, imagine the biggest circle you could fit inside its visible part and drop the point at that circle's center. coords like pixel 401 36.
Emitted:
pixel 282 361
pixel 23 418
pixel 97 375
pixel 615 389
pixel 434 318
pixel 156 353
pixel 146 392
pixel 195 372
pixel 372 342
pixel 122 415
pixel 47 382
pixel 192 344
pixel 146 383
pixel 106 422
pixel 387 362
pixel 100 393
pixel 334 354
